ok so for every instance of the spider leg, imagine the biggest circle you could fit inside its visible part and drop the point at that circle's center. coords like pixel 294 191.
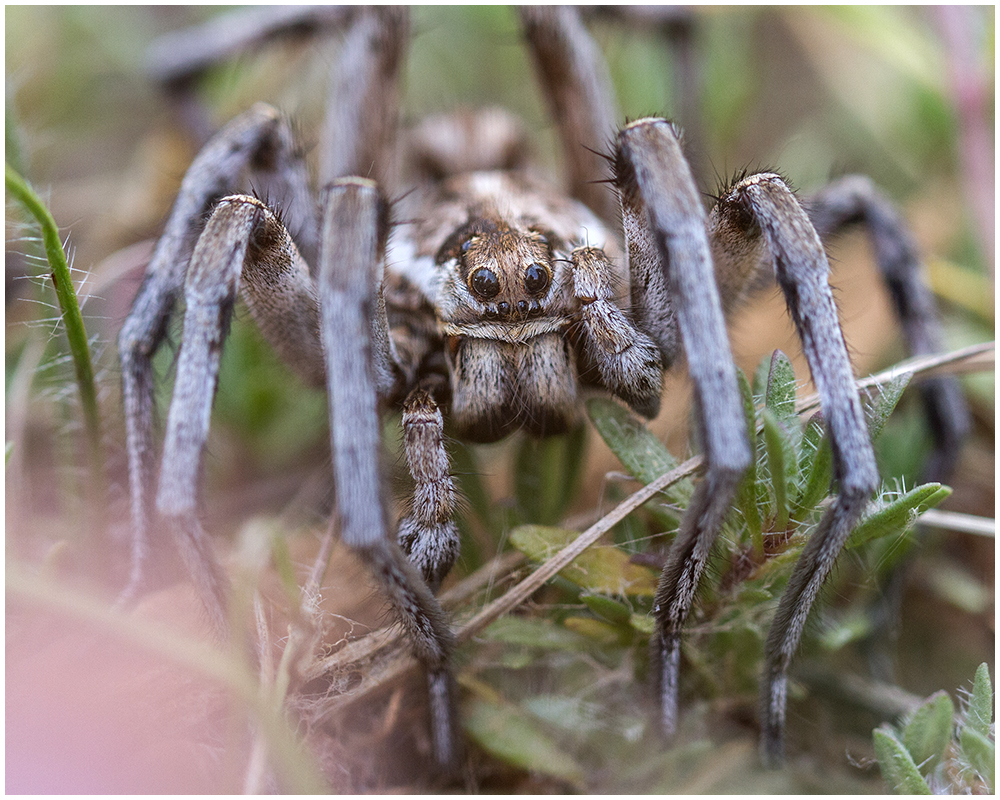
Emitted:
pixel 359 132
pixel 668 249
pixel 258 137
pixel 855 199
pixel 242 237
pixel 762 206
pixel 428 535
pixel 178 59
pixel 354 232
pixel 627 359
pixel 578 87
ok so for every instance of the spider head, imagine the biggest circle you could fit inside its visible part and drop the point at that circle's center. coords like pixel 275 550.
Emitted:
pixel 500 273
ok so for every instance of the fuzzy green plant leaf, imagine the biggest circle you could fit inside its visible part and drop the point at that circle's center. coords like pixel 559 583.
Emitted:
pixel 602 633
pixel 641 453
pixel 780 394
pixel 746 496
pixel 76 333
pixel 815 465
pixel 897 515
pixel 606 570
pixel 534 632
pixel 643 623
pixel 979 711
pixel 980 753
pixel 608 608
pixel 928 731
pixel 780 458
pixel 898 769
pixel 518 739
pixel 878 412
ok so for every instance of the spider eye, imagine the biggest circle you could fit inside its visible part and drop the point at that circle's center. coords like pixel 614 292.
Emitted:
pixel 536 279
pixel 485 283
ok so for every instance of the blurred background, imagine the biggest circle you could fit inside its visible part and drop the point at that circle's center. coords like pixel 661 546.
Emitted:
pixel 905 95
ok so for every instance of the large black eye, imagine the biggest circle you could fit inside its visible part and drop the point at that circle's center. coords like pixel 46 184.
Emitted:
pixel 485 283
pixel 536 279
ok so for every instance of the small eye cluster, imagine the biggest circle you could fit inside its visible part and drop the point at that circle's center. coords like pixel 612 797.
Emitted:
pixel 485 285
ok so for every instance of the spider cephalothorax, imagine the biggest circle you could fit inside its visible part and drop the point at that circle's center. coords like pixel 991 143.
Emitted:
pixel 493 301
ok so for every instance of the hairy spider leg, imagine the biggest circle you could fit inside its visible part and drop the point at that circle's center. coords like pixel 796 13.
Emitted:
pixel 668 251
pixel 577 85
pixel 763 206
pixel 362 112
pixel 257 140
pixel 854 199
pixel 353 236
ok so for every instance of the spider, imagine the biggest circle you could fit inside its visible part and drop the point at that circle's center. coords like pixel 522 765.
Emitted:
pixel 488 297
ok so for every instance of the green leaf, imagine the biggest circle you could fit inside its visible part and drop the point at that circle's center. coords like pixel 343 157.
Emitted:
pixel 780 456
pixel 746 497
pixel 878 412
pixel 780 395
pixel 928 731
pixel 898 769
pixel 601 632
pixel 979 711
pixel 518 739
pixel 816 465
pixel 531 632
pixel 854 625
pixel 643 623
pixel 642 454
pixel 899 514
pixel 980 752
pixel 469 477
pixel 606 607
pixel 606 570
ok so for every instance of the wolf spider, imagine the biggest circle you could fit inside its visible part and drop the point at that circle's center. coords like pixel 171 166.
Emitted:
pixel 489 296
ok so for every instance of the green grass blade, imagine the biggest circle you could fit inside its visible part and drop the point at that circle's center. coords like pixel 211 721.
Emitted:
pixel 72 319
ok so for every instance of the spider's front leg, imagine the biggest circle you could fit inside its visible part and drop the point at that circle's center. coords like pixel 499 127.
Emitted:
pixel 670 264
pixel 258 140
pixel 243 238
pixel 354 231
pixel 760 212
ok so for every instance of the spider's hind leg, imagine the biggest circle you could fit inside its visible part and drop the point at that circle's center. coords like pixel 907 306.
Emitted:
pixel 763 207
pixel 854 199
